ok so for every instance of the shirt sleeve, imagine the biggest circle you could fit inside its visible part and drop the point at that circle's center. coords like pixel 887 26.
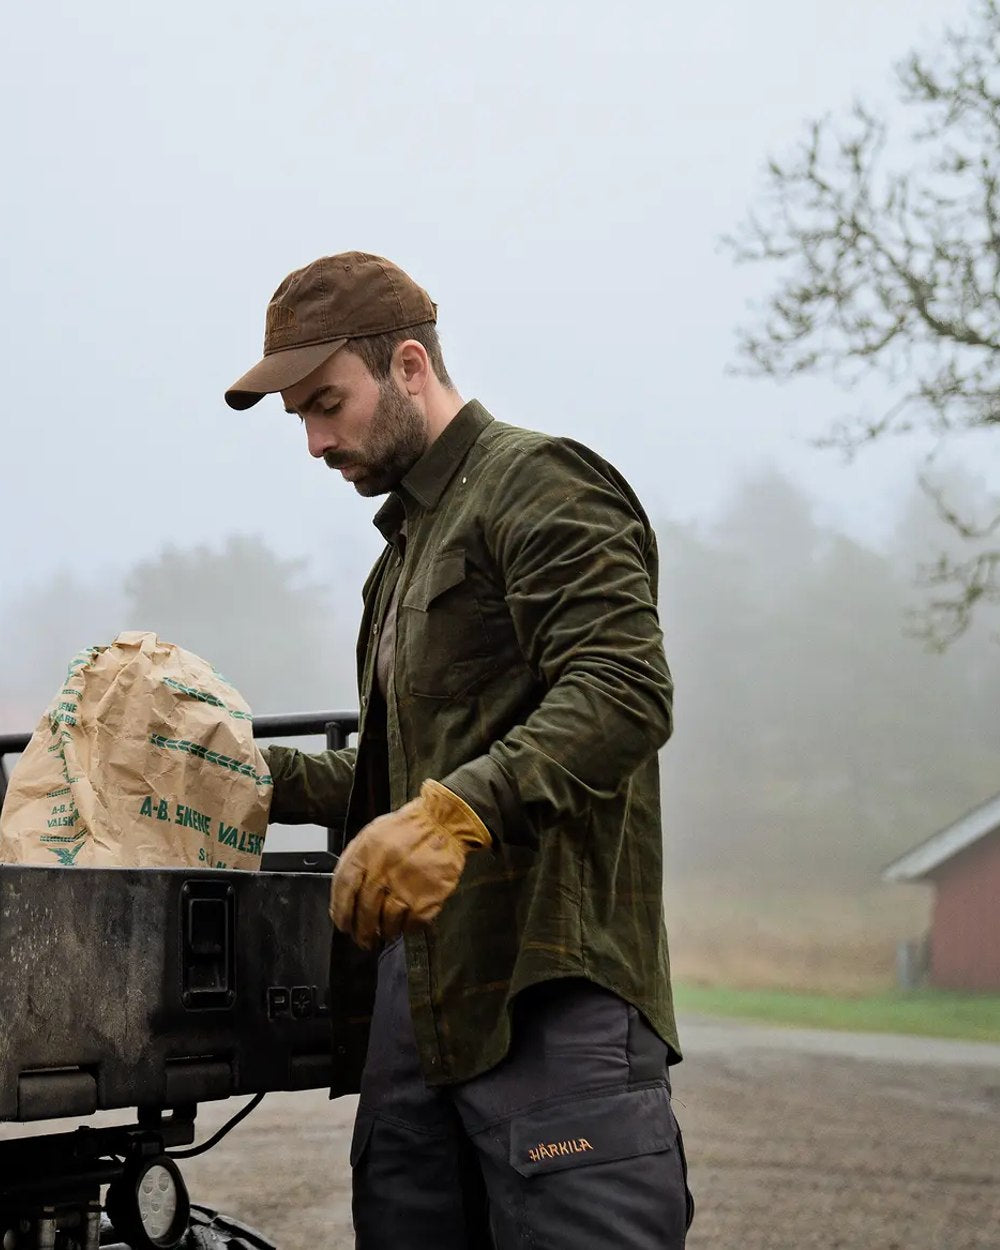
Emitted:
pixel 310 789
pixel 578 560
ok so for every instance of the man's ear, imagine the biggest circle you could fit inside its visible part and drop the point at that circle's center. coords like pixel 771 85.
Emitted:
pixel 411 366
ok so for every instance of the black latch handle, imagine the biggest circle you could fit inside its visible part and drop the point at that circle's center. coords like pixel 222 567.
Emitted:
pixel 208 936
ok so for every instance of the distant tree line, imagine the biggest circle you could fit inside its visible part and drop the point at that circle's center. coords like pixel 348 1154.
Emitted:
pixel 816 737
pixel 284 641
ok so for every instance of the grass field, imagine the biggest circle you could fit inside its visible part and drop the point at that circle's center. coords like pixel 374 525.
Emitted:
pixel 817 958
pixel 809 941
pixel 928 1013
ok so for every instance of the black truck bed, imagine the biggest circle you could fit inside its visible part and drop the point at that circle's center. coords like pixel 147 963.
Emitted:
pixel 159 987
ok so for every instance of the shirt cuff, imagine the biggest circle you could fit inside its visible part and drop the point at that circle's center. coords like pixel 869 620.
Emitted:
pixel 490 793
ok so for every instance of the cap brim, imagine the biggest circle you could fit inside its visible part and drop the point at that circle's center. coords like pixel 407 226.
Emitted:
pixel 278 371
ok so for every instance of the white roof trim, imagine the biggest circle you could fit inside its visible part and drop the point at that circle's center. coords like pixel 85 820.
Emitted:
pixel 941 846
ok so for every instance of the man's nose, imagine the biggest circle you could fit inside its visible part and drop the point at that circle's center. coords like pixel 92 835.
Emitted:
pixel 318 440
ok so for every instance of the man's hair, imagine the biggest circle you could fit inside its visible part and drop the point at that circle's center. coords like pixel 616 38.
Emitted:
pixel 376 350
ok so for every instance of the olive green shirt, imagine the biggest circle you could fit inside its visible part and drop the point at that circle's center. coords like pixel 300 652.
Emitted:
pixel 529 677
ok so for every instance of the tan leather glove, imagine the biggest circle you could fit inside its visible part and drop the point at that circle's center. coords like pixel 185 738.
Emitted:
pixel 396 874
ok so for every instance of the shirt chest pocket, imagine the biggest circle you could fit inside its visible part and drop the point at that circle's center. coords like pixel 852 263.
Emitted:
pixel 443 646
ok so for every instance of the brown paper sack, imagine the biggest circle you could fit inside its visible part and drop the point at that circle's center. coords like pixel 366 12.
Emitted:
pixel 145 759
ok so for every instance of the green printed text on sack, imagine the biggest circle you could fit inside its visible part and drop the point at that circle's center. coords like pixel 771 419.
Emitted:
pixel 191 818
pixel 240 840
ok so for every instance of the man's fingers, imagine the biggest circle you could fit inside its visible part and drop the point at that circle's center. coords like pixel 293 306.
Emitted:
pixel 366 924
pixel 395 915
pixel 346 882
pixel 422 917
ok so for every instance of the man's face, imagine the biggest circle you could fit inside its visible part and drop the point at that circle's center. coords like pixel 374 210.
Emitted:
pixel 371 431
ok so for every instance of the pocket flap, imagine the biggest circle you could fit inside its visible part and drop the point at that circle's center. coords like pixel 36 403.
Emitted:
pixel 592 1130
pixel 447 571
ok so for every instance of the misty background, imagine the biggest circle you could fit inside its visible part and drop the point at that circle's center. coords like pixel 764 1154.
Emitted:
pixel 558 176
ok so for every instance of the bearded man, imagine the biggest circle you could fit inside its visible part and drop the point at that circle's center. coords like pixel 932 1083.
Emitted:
pixel 499 978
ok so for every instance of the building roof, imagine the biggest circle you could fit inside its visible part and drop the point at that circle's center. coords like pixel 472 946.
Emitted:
pixel 942 846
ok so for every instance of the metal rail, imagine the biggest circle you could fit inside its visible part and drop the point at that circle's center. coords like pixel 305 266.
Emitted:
pixel 335 727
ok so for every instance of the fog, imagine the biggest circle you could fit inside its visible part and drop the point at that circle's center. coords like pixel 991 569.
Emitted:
pixel 558 177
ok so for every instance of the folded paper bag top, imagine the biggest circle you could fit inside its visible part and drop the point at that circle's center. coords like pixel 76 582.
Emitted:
pixel 144 759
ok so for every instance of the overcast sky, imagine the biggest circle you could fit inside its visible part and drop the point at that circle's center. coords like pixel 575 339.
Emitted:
pixel 556 174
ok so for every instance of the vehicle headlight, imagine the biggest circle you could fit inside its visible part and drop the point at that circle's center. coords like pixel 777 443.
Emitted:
pixel 149 1204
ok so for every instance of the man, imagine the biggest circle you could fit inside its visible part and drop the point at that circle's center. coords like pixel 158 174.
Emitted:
pixel 504 867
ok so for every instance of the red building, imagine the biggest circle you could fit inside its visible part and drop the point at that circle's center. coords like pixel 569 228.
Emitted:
pixel 962 863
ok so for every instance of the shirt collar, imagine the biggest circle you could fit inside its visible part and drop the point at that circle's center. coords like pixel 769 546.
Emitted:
pixel 426 481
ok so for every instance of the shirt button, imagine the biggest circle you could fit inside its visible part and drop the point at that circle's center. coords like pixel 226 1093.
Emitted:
pixel 375 630
pixel 364 701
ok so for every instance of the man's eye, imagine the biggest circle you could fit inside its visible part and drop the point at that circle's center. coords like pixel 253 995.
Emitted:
pixel 331 409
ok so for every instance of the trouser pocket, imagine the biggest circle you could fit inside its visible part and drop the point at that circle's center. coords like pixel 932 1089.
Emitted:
pixel 588 1173
pixel 413 1190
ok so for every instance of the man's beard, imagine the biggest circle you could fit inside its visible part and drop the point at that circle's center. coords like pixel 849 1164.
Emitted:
pixel 397 438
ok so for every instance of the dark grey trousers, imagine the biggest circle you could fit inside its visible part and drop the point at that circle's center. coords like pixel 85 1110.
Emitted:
pixel 569 1142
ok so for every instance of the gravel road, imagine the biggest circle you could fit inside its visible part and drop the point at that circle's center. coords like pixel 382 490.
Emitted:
pixel 797 1140
pixel 806 1140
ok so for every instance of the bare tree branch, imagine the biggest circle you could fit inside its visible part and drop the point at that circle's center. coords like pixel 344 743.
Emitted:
pixel 886 252
pixel 962 526
pixel 973 582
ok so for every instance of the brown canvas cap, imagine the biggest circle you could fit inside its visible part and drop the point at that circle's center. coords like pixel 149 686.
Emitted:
pixel 317 309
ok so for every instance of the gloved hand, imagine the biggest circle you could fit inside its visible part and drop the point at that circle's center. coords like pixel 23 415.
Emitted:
pixel 396 874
